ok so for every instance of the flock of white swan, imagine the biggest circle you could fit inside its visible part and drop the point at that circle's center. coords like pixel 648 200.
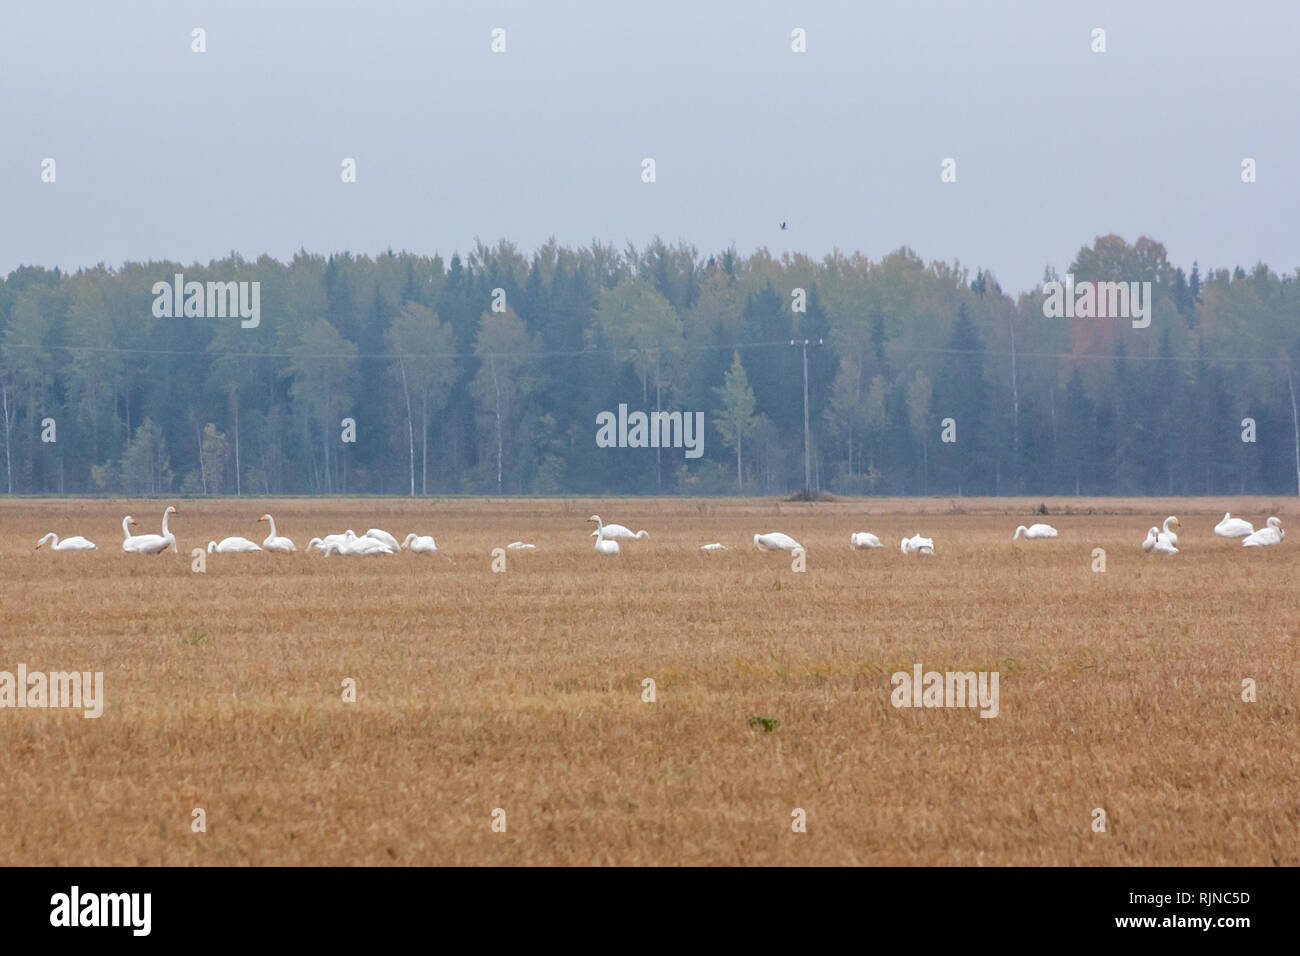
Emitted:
pixel 374 541
pixel 1159 540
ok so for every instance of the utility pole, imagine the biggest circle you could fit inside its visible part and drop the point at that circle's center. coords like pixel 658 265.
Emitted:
pixel 807 453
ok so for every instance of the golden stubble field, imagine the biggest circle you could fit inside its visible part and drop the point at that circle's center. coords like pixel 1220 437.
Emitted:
pixel 523 690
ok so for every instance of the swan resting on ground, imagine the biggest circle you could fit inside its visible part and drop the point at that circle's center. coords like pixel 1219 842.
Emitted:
pixel 352 545
pixel 715 546
pixel 273 541
pixel 420 544
pixel 76 543
pixel 1169 532
pixel 149 543
pixel 776 541
pixel 1160 542
pixel 609 532
pixel 379 534
pixel 520 546
pixel 234 545
pixel 604 545
pixel 1231 527
pixel 335 541
pixel 860 540
pixel 1035 531
pixel 918 545
pixel 1266 537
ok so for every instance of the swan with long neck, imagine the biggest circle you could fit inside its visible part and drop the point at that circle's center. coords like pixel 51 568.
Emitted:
pixel 273 541
pixel 1266 537
pixel 776 541
pixel 609 532
pixel 1035 531
pixel 420 544
pixel 148 543
pixel 76 543
pixel 1170 523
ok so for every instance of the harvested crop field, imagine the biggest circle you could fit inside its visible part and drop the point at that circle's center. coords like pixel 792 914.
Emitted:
pixel 522 690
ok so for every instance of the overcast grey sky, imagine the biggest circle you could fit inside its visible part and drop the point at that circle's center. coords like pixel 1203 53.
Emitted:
pixel 164 153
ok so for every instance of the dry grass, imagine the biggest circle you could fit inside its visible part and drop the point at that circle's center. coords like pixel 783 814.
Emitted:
pixel 522 690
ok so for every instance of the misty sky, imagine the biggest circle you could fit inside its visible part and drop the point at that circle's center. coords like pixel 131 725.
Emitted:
pixel 163 153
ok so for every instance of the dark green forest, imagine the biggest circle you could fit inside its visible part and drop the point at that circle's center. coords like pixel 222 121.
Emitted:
pixel 484 373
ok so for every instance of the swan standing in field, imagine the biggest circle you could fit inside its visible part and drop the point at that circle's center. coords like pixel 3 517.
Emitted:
pixel 1149 543
pixel 1266 537
pixel 609 532
pixel 1035 531
pixel 273 541
pixel 149 543
pixel 715 546
pixel 379 534
pixel 1231 527
pixel 232 546
pixel 604 545
pixel 77 543
pixel 776 541
pixel 918 545
pixel 420 544
pixel 520 546
pixel 861 540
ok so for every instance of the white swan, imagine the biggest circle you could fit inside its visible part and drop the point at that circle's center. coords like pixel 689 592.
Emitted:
pixel 330 540
pixel 273 541
pixel 918 545
pixel 1231 527
pixel 366 545
pixel 776 541
pixel 1035 531
pixel 1266 537
pixel 603 544
pixel 520 546
pixel 609 532
pixel 860 540
pixel 149 543
pixel 380 534
pixel 232 546
pixel 420 544
pixel 1166 543
pixel 1168 531
pixel 1153 535
pixel 715 546
pixel 77 543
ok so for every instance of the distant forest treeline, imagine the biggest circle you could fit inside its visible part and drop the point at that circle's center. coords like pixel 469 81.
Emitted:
pixel 449 395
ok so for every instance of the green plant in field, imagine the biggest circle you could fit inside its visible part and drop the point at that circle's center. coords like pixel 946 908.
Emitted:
pixel 768 724
pixel 195 638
